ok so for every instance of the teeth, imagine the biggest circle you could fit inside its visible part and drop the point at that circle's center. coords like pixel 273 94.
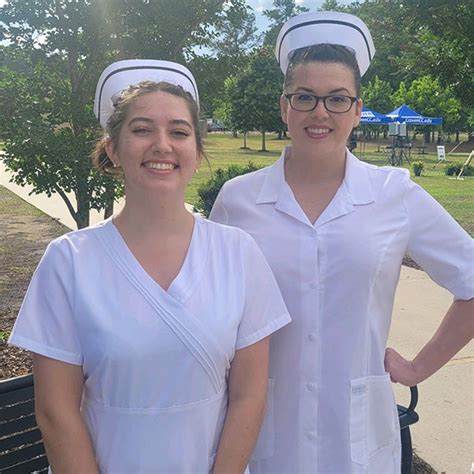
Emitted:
pixel 159 166
pixel 318 130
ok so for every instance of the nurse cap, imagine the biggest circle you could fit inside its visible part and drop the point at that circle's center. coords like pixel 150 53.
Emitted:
pixel 309 29
pixel 118 76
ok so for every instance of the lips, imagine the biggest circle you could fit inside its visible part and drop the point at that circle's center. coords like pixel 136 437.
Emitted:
pixel 160 165
pixel 317 133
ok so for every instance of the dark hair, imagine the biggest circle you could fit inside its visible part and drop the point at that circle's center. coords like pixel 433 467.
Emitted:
pixel 114 124
pixel 325 53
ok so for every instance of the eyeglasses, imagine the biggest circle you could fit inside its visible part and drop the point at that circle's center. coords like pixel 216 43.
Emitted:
pixel 305 102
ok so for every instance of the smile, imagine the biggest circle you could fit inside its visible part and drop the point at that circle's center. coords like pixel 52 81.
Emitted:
pixel 159 166
pixel 318 131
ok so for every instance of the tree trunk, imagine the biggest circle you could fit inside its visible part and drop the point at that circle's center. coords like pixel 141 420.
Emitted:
pixel 235 134
pixel 457 136
pixel 264 148
pixel 427 137
pixel 109 209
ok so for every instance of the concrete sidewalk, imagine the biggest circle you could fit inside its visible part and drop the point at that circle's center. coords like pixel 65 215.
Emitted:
pixel 444 436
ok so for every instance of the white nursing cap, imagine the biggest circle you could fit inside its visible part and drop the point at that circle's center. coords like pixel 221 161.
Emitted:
pixel 309 29
pixel 118 76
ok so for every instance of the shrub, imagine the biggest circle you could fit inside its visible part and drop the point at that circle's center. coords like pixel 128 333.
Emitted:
pixel 453 169
pixel 417 167
pixel 208 192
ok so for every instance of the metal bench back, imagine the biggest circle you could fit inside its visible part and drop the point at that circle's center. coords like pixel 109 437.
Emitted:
pixel 21 446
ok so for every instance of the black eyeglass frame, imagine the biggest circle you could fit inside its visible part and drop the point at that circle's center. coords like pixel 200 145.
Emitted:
pixel 323 98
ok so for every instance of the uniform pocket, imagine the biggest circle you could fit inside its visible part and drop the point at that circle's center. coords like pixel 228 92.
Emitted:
pixel 372 421
pixel 265 447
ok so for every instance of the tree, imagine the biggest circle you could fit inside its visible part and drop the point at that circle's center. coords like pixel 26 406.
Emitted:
pixel 429 98
pixel 56 50
pixel 237 33
pixel 282 11
pixel 251 101
pixel 377 95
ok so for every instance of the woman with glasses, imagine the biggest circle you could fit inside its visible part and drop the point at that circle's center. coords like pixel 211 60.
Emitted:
pixel 335 231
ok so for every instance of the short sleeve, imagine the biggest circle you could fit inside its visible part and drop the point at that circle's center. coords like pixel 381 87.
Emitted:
pixel 45 324
pixel 218 212
pixel 438 243
pixel 264 309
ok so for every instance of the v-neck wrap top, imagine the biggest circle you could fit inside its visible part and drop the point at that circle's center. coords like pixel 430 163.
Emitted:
pixel 333 406
pixel 155 362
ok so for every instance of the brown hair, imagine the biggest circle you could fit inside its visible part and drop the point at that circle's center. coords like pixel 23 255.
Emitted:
pixel 325 53
pixel 114 124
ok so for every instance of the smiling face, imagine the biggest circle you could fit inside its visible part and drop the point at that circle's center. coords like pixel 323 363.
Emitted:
pixel 156 146
pixel 319 131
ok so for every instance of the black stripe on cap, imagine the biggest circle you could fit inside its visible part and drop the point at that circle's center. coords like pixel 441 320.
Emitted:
pixel 132 68
pixel 315 22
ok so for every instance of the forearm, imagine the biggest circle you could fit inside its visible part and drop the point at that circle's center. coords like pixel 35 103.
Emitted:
pixel 239 435
pixel 68 444
pixel 455 331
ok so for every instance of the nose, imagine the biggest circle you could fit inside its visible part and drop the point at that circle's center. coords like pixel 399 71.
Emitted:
pixel 161 143
pixel 320 110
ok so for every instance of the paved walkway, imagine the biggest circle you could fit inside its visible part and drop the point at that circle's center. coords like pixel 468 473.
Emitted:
pixel 444 436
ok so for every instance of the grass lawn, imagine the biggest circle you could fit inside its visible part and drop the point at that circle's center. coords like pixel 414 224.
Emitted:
pixel 455 195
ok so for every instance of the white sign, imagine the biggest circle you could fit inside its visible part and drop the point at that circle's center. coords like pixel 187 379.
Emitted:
pixel 441 152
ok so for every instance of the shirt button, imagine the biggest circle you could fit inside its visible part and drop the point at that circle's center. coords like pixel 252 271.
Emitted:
pixel 312 337
pixel 311 436
pixel 311 387
pixel 313 285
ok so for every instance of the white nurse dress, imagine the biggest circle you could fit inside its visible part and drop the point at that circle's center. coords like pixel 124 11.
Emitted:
pixel 333 406
pixel 155 362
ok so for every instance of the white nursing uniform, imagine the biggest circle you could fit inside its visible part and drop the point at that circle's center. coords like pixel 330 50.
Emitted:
pixel 155 362
pixel 333 410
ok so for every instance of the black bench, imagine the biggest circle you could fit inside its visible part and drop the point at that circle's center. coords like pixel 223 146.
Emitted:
pixel 21 446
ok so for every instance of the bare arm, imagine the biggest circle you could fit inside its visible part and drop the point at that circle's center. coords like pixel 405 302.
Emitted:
pixel 247 397
pixel 58 392
pixel 454 332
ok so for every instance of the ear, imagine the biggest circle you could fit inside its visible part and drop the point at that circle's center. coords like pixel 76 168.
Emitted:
pixel 358 112
pixel 284 108
pixel 110 150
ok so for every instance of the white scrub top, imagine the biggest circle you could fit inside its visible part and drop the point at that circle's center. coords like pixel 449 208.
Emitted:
pixel 333 410
pixel 155 362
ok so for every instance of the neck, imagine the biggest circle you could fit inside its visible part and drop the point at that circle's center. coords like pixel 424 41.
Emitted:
pixel 151 218
pixel 302 167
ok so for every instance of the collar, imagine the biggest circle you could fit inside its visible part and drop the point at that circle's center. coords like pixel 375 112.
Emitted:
pixel 356 180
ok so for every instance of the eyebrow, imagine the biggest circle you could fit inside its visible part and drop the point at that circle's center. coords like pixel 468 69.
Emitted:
pixel 334 91
pixel 150 121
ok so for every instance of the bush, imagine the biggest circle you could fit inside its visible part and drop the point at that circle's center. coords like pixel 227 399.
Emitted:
pixel 453 169
pixel 417 167
pixel 208 192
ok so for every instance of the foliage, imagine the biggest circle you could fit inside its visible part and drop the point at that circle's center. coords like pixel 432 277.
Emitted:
pixel 417 167
pixel 453 169
pixel 377 95
pixel 429 98
pixel 209 191
pixel 251 99
pixel 282 11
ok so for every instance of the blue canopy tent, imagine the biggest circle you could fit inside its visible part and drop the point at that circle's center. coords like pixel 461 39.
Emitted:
pixel 404 114
pixel 370 117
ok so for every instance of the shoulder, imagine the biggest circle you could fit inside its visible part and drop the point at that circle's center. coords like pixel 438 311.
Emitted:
pixel 69 244
pixel 250 182
pixel 225 234
pixel 386 180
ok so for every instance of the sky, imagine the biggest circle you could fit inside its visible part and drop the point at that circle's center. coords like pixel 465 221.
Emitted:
pixel 260 5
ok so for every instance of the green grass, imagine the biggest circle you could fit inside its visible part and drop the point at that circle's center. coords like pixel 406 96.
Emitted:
pixel 455 195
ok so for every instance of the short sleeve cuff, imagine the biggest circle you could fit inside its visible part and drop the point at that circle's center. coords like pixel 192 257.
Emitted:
pixel 47 351
pixel 464 290
pixel 262 333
